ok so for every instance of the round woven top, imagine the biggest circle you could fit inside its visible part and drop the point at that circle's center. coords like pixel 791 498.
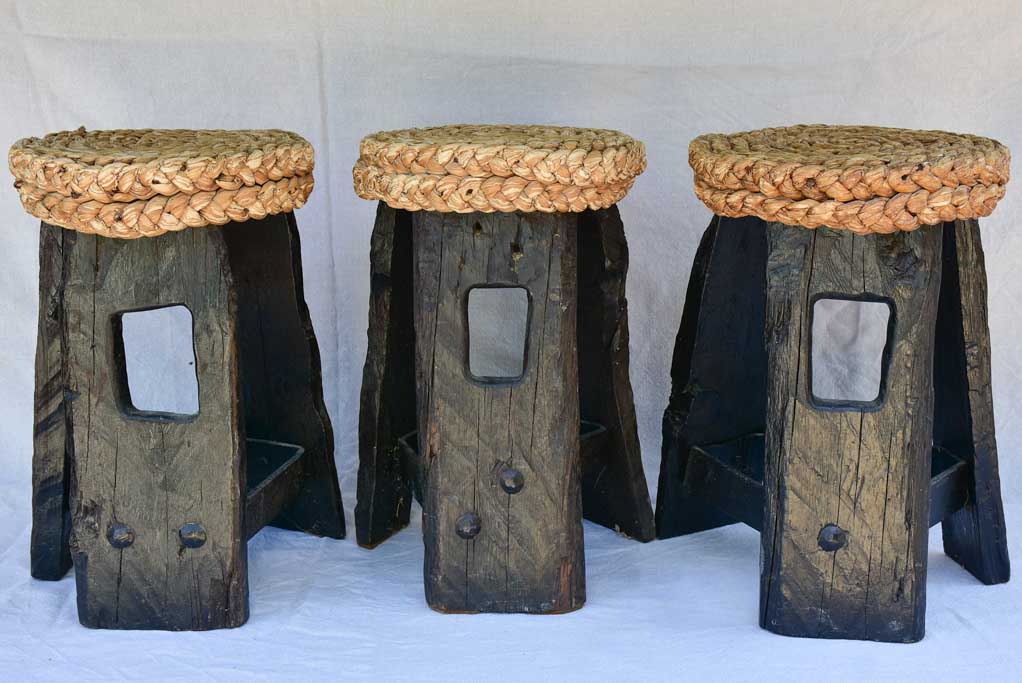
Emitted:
pixel 860 178
pixel 465 168
pixel 142 183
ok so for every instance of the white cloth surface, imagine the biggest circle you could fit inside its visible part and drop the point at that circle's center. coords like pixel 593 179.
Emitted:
pixel 661 71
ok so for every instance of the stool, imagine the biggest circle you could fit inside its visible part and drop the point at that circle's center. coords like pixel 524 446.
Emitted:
pixel 503 461
pixel 843 488
pixel 155 508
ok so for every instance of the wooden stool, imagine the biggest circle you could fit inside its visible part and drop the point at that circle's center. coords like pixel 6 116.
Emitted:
pixel 157 507
pixel 843 489
pixel 526 211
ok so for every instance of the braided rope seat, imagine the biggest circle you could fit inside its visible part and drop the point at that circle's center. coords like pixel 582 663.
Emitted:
pixel 466 168
pixel 143 183
pixel 860 178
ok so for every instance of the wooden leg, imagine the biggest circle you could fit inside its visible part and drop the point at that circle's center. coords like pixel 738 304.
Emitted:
pixel 387 411
pixel 52 446
pixel 614 490
pixel 847 489
pixel 281 379
pixel 502 509
pixel 975 535
pixel 718 376
pixel 142 481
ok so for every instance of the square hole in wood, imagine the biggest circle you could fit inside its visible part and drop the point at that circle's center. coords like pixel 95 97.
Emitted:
pixel 850 347
pixel 498 327
pixel 159 362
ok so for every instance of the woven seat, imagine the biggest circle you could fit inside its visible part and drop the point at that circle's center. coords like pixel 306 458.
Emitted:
pixel 860 178
pixel 466 168
pixel 143 183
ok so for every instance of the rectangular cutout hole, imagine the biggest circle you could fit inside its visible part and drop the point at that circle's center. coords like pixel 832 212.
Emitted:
pixel 498 326
pixel 850 339
pixel 159 362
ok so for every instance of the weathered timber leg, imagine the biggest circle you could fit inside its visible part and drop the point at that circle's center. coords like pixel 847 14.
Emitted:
pixel 718 375
pixel 52 447
pixel 614 490
pixel 975 535
pixel 847 488
pixel 492 545
pixel 281 379
pixel 388 409
pixel 140 478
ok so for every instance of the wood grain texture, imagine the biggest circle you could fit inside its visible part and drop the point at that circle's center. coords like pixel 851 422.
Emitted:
pixel 867 472
pixel 528 555
pixel 52 447
pixel 719 370
pixel 155 473
pixel 974 536
pixel 281 375
pixel 614 489
pixel 387 410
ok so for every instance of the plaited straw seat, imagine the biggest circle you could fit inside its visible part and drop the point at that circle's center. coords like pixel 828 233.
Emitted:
pixel 143 183
pixel 859 178
pixel 165 548
pixel 516 227
pixel 861 412
pixel 467 168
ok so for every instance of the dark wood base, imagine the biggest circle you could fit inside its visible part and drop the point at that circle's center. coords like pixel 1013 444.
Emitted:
pixel 388 408
pixel 489 549
pixel 718 373
pixel 422 266
pixel 614 489
pixel 974 535
pixel 156 508
pixel 281 379
pixel 743 440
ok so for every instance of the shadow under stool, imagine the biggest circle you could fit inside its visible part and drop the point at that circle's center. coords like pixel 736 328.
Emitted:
pixel 504 460
pixel 842 487
pixel 154 508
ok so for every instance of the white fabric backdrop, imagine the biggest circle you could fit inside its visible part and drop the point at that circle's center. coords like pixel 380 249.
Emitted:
pixel 661 71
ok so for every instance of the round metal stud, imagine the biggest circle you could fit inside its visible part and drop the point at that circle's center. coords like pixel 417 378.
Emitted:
pixel 192 535
pixel 832 538
pixel 511 480
pixel 469 525
pixel 120 535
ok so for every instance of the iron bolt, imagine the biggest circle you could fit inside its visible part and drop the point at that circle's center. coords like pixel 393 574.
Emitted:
pixel 192 535
pixel 468 525
pixel 120 535
pixel 832 538
pixel 511 480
